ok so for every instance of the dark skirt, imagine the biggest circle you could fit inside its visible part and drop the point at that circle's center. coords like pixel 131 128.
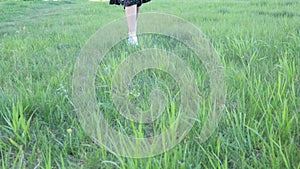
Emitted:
pixel 128 2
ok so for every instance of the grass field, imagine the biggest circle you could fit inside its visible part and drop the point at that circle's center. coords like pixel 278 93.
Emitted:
pixel 257 41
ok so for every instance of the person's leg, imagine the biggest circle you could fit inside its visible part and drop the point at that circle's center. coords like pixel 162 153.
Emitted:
pixel 131 15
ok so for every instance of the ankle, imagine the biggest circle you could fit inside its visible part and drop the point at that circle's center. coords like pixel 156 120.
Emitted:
pixel 132 34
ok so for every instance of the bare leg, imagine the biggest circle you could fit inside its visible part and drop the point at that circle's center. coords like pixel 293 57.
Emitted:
pixel 131 15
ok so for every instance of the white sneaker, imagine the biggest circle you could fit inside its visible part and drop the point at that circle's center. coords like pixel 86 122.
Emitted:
pixel 132 40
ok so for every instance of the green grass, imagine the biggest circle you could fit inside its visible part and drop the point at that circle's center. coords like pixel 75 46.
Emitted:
pixel 258 42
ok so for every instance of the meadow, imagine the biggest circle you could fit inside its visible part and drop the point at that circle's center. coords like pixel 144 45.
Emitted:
pixel 258 43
